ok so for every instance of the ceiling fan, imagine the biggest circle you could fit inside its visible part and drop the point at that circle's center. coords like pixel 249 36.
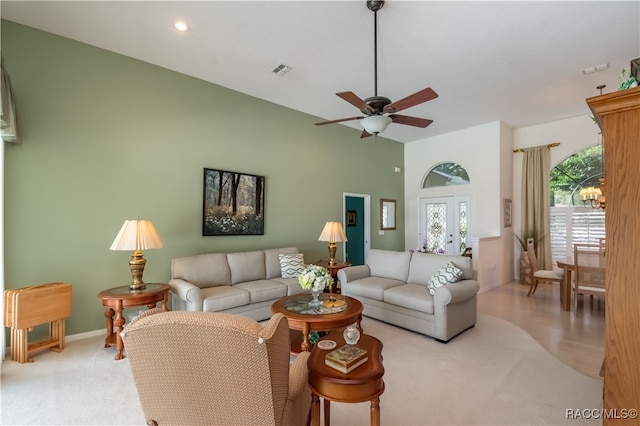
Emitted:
pixel 379 111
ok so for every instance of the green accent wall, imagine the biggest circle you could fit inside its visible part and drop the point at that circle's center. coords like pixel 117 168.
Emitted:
pixel 108 138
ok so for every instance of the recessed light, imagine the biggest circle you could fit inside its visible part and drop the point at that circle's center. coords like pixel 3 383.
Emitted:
pixel 181 26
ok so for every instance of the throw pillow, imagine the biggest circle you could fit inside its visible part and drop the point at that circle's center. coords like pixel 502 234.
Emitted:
pixel 447 274
pixel 291 265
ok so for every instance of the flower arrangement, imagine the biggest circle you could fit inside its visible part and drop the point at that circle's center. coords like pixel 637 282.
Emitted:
pixel 434 249
pixel 315 278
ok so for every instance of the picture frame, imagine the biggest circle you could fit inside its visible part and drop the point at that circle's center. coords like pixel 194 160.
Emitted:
pixel 352 218
pixel 507 212
pixel 387 214
pixel 233 203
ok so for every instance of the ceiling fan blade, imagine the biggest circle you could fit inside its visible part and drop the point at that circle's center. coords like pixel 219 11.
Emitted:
pixel 365 134
pixel 339 120
pixel 354 100
pixel 417 98
pixel 410 121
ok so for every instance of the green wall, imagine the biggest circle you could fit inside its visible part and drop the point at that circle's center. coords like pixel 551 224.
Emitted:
pixel 108 138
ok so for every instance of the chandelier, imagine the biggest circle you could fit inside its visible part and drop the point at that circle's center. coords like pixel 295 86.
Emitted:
pixel 592 196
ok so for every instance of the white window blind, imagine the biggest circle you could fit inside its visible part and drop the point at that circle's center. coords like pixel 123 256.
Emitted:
pixel 574 225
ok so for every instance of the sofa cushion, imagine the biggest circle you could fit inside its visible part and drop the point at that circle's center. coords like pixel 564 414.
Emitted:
pixel 293 286
pixel 291 265
pixel 272 261
pixel 262 290
pixel 411 296
pixel 371 287
pixel 204 270
pixel 389 264
pixel 246 266
pixel 223 297
pixel 446 275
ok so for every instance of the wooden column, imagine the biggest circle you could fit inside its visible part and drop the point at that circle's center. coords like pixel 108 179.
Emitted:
pixel 618 115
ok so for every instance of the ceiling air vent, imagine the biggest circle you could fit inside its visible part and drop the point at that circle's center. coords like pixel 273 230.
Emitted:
pixel 281 69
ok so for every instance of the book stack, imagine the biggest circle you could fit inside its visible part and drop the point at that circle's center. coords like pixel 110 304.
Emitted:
pixel 346 358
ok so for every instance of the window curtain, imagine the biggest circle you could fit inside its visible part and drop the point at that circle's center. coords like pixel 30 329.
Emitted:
pixel 8 124
pixel 536 212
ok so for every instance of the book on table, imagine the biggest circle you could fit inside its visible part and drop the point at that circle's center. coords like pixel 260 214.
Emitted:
pixel 346 358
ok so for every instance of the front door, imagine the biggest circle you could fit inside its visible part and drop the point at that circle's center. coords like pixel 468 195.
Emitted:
pixel 444 225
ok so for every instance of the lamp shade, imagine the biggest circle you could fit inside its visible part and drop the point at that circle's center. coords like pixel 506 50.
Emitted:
pixel 333 233
pixel 375 124
pixel 136 235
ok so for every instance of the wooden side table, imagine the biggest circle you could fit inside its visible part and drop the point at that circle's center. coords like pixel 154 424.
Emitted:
pixel 333 270
pixel 362 384
pixel 118 298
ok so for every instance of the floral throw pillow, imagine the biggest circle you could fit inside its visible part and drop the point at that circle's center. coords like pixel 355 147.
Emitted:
pixel 291 265
pixel 447 274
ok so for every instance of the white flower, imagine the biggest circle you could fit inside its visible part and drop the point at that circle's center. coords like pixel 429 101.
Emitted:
pixel 315 277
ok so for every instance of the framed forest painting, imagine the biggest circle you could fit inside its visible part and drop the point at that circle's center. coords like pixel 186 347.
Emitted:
pixel 233 203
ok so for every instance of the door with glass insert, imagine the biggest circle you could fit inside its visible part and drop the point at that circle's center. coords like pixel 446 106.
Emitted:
pixel 444 225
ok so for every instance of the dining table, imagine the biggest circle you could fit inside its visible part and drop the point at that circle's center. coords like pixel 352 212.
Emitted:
pixel 567 264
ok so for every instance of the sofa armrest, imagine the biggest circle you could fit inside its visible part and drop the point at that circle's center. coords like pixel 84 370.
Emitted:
pixel 456 292
pixel 352 273
pixel 187 292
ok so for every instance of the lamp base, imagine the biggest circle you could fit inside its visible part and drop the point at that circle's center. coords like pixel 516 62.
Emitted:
pixel 136 264
pixel 332 254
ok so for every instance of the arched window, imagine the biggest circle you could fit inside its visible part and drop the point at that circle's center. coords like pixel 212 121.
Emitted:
pixel 572 221
pixel 445 174
pixel 581 170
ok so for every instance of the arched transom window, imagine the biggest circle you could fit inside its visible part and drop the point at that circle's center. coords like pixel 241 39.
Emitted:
pixel 445 174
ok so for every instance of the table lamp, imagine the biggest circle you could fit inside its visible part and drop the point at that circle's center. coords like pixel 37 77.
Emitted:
pixel 333 233
pixel 137 235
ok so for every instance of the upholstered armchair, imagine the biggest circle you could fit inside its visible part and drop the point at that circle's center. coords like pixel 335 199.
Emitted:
pixel 203 368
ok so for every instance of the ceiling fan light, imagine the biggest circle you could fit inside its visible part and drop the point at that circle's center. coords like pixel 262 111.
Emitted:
pixel 375 124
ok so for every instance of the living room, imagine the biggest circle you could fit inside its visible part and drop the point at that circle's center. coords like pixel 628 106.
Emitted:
pixel 106 137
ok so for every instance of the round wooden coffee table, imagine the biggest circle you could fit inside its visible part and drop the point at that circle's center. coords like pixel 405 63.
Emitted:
pixel 362 384
pixel 304 318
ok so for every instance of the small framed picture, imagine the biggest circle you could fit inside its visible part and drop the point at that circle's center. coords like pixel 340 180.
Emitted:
pixel 351 218
pixel 506 212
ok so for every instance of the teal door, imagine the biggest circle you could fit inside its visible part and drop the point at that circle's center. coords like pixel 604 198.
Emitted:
pixel 354 221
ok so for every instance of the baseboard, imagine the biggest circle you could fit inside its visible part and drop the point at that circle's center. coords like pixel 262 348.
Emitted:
pixel 86 335
pixel 489 287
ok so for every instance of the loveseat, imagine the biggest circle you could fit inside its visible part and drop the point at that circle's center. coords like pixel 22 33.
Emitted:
pixel 394 288
pixel 244 283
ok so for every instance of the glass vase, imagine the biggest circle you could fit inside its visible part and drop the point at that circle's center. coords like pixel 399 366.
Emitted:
pixel 315 301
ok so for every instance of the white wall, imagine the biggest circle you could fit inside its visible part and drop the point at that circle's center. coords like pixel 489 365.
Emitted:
pixel 475 149
pixel 479 150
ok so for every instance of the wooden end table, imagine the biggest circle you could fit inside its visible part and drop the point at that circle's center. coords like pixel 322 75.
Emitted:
pixel 333 271
pixel 364 383
pixel 117 298
pixel 303 318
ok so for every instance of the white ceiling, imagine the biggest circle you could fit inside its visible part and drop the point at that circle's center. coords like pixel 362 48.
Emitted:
pixel 517 62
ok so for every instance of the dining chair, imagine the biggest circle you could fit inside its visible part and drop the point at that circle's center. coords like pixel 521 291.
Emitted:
pixel 537 274
pixel 589 272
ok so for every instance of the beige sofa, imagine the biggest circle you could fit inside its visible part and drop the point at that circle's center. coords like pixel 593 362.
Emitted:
pixel 393 287
pixel 244 283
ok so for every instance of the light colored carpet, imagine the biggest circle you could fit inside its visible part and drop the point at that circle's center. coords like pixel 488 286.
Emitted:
pixel 493 374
